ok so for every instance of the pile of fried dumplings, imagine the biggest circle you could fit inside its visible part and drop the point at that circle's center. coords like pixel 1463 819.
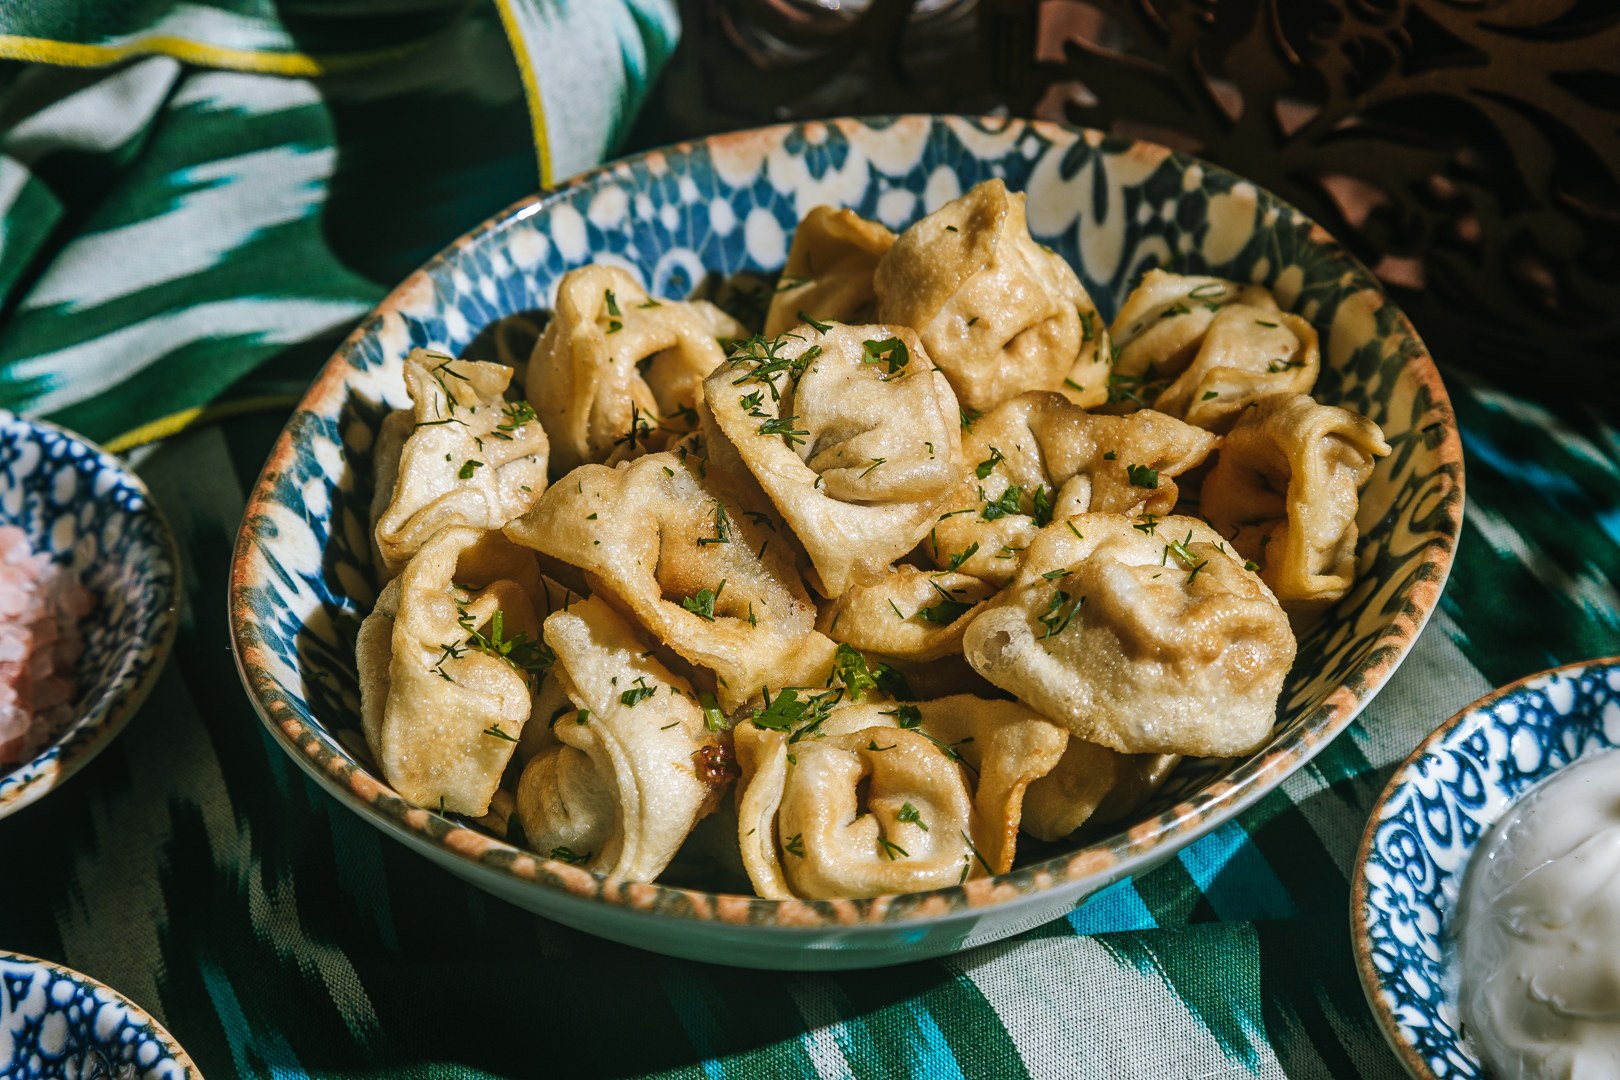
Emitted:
pixel 936 559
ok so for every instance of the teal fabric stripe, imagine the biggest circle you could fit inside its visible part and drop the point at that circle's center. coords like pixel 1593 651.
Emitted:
pixel 1235 878
pixel 1118 907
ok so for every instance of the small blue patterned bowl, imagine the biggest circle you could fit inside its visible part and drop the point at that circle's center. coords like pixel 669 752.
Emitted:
pixel 1437 806
pixel 57 1023
pixel 78 503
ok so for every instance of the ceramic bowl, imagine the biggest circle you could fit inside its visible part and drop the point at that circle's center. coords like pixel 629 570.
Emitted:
pixel 1439 804
pixel 687 216
pixel 81 505
pixel 56 1023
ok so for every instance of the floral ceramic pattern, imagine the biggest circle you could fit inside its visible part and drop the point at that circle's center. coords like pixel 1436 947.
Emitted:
pixel 78 503
pixel 1437 806
pixel 56 1024
pixel 681 218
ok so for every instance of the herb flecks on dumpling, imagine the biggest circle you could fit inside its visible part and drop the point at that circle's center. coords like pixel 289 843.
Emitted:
pixel 1285 491
pixel 909 614
pixel 635 765
pixel 703 564
pixel 999 313
pixel 1202 349
pixel 1039 458
pixel 616 373
pixel 447 661
pixel 1147 636
pixel 828 276
pixel 853 434
pixel 471 457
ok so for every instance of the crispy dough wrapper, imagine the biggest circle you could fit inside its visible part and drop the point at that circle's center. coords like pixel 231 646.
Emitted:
pixel 999 313
pixel 1139 647
pixel 804 796
pixel 908 614
pixel 1202 349
pixel 1091 783
pixel 462 425
pixel 441 715
pixel 1285 489
pixel 829 269
pixel 647 535
pixel 1042 443
pixel 857 454
pixel 614 386
pixel 621 789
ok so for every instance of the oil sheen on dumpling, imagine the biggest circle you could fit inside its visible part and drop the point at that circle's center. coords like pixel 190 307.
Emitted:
pixel 829 268
pixel 908 613
pixel 441 706
pixel 1148 637
pixel 701 563
pixel 1091 783
pixel 1038 458
pixel 1201 348
pixel 617 373
pixel 852 433
pixel 471 457
pixel 635 765
pixel 1285 490
pixel 998 313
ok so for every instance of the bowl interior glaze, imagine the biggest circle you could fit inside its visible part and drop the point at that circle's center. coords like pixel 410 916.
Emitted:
pixel 716 218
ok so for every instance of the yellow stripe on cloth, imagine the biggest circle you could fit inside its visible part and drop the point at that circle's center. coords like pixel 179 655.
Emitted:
pixel 531 87
pixel 201 54
pixel 175 423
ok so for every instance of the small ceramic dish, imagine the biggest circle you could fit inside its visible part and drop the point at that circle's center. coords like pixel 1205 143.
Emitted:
pixel 1439 804
pixel 701 215
pixel 81 505
pixel 57 1023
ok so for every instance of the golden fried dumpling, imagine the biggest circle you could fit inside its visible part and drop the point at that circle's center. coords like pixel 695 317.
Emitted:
pixel 852 433
pixel 442 703
pixel 1146 636
pixel 1091 783
pixel 999 313
pixel 617 373
pixel 908 613
pixel 1039 458
pixel 1285 490
pixel 471 458
pixel 635 764
pixel 1201 348
pixel 700 563
pixel 829 268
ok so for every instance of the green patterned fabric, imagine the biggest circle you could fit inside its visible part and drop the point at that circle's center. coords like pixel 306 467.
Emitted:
pixel 175 236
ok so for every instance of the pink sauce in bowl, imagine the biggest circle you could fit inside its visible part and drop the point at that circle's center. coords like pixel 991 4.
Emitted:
pixel 42 610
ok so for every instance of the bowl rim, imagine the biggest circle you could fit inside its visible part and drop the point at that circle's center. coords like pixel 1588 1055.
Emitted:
pixel 138 1014
pixel 106 717
pixel 1360 939
pixel 1108 859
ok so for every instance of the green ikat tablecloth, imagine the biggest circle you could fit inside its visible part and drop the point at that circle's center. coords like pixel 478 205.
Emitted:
pixel 198 238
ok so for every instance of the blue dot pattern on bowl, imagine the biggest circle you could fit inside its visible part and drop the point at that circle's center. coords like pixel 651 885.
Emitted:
pixel 1437 808
pixel 79 504
pixel 56 1023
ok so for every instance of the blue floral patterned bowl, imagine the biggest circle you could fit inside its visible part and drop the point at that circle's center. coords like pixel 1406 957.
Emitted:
pixel 56 1024
pixel 687 216
pixel 1437 807
pixel 81 505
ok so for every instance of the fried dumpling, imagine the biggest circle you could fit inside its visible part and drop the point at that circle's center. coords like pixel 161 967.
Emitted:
pixel 999 313
pixel 1285 491
pixel 852 433
pixel 908 613
pixel 1201 348
pixel 1039 458
pixel 633 768
pixel 447 660
pixel 829 268
pixel 471 458
pixel 617 373
pixel 1146 636
pixel 1091 783
pixel 697 560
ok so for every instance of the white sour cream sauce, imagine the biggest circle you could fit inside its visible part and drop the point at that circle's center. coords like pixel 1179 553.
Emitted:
pixel 1538 933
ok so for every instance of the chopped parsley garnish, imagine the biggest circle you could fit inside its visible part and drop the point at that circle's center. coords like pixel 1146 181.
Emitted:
pixel 896 607
pixel 907 716
pixel 875 463
pixel 759 518
pixel 1146 523
pixel 468 467
pixel 1072 385
pixel 849 666
pixel 1003 506
pixel 1262 322
pixel 1043 507
pixel 893 682
pixel 517 414
pixel 583 717
pixel 641 692
pixel 1086 329
pixel 494 731
pixel 1074 530
pixel 752 402
pixel 818 327
pixel 973 320
pixel 950 228
pixel 767 364
pixel 1110 456
pixel 1282 365
pixel 1055 620
pixel 790 281
pixel 953 513
pixel 702 605
pixel 1142 476
pixel 892 351
pixel 713 718
pixel 872 745
pixel 971 847
pixel 948 610
pixel 612 302
pixel 722 528
pixel 1179 549
pixel 908 814
pixel 984 467
pixel 525 657
pixel 783 426
pixel 1251 566
pixel 890 847
pixel 1210 395
pixel 794 845
pixel 963 556
pixel 1053 575
pixel 969 417
pixel 787 710
pixel 590 517
pixel 650 303
pixel 1203 293
pixel 569 856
